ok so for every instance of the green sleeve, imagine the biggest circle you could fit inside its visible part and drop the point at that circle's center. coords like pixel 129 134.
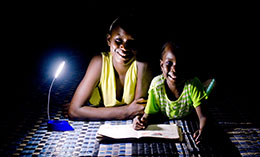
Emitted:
pixel 197 92
pixel 152 105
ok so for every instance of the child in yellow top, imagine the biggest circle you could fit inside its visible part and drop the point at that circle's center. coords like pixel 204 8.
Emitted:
pixel 115 80
pixel 173 96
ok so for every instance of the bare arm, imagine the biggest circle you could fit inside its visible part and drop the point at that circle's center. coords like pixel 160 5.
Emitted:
pixel 144 79
pixel 202 118
pixel 85 89
pixel 83 94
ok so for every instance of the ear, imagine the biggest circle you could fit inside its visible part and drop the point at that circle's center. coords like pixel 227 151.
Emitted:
pixel 108 39
pixel 161 64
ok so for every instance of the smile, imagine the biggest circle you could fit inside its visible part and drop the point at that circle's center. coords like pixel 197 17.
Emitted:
pixel 124 55
pixel 173 77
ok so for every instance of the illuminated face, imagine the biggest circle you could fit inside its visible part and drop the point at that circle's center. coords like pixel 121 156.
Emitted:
pixel 122 46
pixel 168 65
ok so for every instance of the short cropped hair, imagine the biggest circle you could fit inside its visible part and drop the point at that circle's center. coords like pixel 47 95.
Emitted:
pixel 173 46
pixel 129 23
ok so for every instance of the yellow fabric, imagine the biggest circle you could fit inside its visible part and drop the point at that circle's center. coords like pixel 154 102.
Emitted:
pixel 107 84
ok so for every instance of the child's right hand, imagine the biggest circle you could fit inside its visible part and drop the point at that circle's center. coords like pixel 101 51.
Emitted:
pixel 140 122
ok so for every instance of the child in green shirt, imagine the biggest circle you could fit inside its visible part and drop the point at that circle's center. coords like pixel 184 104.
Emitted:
pixel 171 95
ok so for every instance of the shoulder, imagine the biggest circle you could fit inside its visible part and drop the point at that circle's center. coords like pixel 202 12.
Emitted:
pixel 194 81
pixel 157 82
pixel 95 63
pixel 105 54
pixel 97 59
pixel 94 69
pixel 195 84
pixel 142 65
pixel 144 69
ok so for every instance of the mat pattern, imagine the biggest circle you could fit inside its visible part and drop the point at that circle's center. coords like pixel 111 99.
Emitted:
pixel 241 131
pixel 82 142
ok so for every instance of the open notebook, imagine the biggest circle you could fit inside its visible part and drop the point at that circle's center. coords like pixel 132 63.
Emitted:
pixel 164 131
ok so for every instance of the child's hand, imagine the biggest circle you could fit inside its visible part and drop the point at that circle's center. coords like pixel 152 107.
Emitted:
pixel 197 135
pixel 140 122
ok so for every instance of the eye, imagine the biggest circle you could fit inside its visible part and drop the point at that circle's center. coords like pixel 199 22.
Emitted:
pixel 118 41
pixel 168 63
pixel 131 44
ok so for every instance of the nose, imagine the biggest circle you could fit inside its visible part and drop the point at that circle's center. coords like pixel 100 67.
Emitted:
pixel 123 46
pixel 173 67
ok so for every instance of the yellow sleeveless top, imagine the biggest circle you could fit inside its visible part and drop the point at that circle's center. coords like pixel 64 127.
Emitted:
pixel 107 84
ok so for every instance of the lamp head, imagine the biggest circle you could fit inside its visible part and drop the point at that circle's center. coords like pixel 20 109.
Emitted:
pixel 59 69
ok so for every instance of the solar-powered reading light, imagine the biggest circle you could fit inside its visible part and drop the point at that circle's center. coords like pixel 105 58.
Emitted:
pixel 59 69
pixel 57 125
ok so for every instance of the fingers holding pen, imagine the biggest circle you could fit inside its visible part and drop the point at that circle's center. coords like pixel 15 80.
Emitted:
pixel 138 123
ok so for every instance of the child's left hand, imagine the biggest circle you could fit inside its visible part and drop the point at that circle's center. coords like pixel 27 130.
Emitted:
pixel 197 135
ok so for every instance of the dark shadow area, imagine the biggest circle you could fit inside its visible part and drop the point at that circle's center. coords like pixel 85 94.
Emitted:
pixel 216 141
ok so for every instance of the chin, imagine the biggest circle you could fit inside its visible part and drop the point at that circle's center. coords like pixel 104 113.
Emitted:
pixel 172 81
pixel 125 61
pixel 128 61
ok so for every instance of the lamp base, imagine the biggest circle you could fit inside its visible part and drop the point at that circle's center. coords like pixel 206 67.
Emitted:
pixel 59 125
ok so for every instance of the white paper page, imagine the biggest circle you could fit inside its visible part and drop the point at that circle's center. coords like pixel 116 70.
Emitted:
pixel 169 131
pixel 117 131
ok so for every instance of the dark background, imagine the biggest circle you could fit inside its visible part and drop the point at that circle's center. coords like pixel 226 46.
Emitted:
pixel 218 38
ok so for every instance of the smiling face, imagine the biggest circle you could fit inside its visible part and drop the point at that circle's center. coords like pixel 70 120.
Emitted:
pixel 122 46
pixel 168 64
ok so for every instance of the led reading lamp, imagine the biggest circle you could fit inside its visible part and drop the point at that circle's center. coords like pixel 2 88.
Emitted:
pixel 57 125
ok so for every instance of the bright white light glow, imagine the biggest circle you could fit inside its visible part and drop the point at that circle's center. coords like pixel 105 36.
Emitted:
pixel 59 69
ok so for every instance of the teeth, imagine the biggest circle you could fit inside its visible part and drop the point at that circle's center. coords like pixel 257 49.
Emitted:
pixel 173 77
pixel 122 54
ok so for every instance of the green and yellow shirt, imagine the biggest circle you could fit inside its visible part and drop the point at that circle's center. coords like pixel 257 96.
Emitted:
pixel 192 95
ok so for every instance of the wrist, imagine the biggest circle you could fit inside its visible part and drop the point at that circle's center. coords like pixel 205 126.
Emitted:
pixel 145 115
pixel 126 111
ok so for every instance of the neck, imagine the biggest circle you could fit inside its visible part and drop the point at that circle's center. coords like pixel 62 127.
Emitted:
pixel 120 68
pixel 172 86
pixel 175 87
pixel 171 91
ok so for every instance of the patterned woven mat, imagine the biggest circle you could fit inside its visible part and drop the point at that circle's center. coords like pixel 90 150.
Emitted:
pixel 82 141
pixel 240 130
